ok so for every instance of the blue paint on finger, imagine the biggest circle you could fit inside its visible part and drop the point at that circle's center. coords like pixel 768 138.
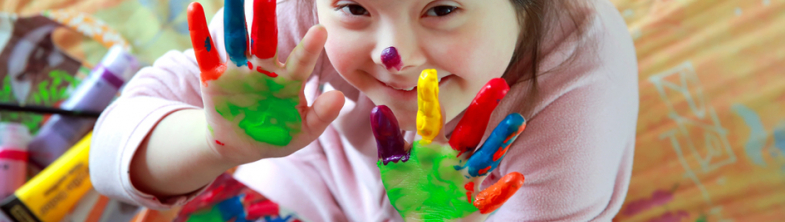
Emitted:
pixel 235 33
pixel 488 157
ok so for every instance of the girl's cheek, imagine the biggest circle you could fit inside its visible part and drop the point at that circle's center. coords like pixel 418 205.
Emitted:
pixel 340 55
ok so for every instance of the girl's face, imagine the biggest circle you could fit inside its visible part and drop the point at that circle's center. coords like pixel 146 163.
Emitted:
pixel 468 42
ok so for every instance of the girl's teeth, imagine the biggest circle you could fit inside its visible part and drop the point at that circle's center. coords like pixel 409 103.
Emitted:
pixel 412 88
pixel 407 89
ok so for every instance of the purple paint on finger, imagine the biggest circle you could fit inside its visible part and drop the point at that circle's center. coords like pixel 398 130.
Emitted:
pixel 389 140
pixel 390 58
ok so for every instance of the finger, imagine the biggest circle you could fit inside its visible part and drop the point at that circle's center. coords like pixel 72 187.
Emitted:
pixel 488 157
pixel 324 110
pixel 206 54
pixel 303 58
pixel 389 140
pixel 264 29
pixel 429 118
pixel 494 196
pixel 235 33
pixel 470 129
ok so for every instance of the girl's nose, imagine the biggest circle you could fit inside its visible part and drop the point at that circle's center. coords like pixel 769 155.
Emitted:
pixel 397 49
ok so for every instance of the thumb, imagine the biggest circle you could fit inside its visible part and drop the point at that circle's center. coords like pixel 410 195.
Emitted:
pixel 324 110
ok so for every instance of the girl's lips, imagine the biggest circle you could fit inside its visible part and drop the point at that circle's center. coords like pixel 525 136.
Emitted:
pixel 409 94
pixel 407 89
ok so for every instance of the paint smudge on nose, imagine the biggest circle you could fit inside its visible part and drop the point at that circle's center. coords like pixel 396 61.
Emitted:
pixel 758 135
pixel 391 59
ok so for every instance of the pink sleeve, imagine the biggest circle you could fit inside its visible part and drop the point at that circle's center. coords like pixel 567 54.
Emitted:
pixel 577 150
pixel 171 84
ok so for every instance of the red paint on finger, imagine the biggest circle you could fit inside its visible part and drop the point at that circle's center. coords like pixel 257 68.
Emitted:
pixel 268 73
pixel 484 170
pixel 470 129
pixel 219 143
pixel 492 198
pixel 250 65
pixel 204 49
pixel 264 29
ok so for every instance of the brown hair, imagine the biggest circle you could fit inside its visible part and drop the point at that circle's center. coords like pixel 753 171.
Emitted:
pixel 537 18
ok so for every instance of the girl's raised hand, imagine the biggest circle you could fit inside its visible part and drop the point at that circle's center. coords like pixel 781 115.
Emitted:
pixel 433 180
pixel 255 106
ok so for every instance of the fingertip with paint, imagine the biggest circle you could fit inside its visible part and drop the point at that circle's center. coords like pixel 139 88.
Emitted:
pixel 264 30
pixel 235 33
pixel 204 50
pixel 488 157
pixel 470 129
pixel 497 194
pixel 389 140
pixel 429 118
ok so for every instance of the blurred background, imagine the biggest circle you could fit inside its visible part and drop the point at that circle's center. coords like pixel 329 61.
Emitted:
pixel 711 128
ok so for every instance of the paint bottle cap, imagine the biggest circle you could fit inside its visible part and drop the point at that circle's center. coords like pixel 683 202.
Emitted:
pixel 120 63
pixel 14 136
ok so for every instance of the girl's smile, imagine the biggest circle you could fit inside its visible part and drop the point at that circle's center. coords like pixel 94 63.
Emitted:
pixel 381 47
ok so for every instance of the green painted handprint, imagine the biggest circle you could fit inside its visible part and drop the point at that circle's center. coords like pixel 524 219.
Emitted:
pixel 434 181
pixel 252 102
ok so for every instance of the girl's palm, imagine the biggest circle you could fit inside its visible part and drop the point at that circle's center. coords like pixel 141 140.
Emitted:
pixel 254 104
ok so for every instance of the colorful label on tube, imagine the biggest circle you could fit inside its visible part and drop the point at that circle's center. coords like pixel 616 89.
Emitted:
pixel 51 194
pixel 14 138
pixel 95 93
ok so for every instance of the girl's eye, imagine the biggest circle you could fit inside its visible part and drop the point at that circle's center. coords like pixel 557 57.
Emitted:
pixel 355 10
pixel 441 10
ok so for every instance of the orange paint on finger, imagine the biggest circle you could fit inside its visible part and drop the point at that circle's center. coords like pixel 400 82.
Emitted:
pixel 492 198
pixel 209 75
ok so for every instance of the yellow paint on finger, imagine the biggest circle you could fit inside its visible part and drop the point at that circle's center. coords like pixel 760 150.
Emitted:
pixel 429 117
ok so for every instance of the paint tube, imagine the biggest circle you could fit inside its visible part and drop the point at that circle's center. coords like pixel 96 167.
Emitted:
pixel 51 194
pixel 14 138
pixel 94 207
pixel 93 94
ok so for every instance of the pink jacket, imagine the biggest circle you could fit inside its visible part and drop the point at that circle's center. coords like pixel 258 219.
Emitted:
pixel 576 151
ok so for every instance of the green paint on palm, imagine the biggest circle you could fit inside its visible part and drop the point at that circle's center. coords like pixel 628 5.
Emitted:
pixel 264 108
pixel 213 214
pixel 427 186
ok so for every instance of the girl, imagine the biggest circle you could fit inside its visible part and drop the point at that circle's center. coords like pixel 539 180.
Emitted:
pixel 570 66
